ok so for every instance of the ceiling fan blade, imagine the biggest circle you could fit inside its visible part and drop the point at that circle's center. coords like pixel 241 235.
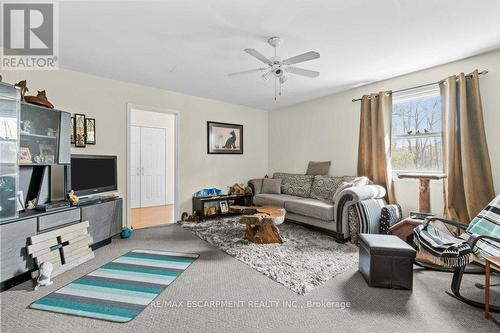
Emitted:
pixel 247 72
pixel 301 58
pixel 258 55
pixel 301 71
pixel 267 76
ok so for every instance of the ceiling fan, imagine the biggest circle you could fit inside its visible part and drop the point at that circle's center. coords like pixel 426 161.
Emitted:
pixel 277 67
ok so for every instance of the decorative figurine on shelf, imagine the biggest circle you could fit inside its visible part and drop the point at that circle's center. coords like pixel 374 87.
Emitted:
pixel 51 132
pixel 23 86
pixel 25 126
pixel 72 197
pixel 39 99
pixel 45 272
pixel 31 204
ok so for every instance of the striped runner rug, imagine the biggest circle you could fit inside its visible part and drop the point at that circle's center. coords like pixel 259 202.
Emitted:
pixel 119 290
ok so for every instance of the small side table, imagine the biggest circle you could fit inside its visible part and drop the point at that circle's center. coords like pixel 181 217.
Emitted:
pixel 495 261
pixel 424 197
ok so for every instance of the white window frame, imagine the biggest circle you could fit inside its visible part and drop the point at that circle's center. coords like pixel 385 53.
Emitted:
pixel 408 95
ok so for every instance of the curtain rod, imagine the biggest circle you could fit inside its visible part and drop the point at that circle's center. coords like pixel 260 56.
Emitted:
pixel 422 85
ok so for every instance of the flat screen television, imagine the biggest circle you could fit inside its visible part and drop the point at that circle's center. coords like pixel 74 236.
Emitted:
pixel 92 174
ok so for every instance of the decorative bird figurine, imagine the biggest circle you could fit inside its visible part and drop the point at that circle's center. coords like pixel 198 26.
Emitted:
pixel 409 132
pixel 426 130
pixel 418 132
pixel 24 88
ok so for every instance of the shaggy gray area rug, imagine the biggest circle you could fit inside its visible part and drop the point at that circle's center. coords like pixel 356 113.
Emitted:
pixel 303 262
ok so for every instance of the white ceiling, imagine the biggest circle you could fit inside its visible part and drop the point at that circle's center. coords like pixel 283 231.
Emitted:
pixel 189 46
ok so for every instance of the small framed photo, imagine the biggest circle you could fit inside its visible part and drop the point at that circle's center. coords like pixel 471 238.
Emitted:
pixel 79 130
pixel 72 134
pixel 90 131
pixel 25 155
pixel 223 207
pixel 224 138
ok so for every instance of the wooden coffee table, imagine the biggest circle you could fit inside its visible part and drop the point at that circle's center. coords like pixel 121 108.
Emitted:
pixel 261 223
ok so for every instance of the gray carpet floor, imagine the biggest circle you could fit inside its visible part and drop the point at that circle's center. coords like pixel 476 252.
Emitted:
pixel 264 305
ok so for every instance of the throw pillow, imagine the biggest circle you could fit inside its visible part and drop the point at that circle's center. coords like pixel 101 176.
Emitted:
pixel 324 188
pixel 389 216
pixel 318 168
pixel 271 186
pixel 295 184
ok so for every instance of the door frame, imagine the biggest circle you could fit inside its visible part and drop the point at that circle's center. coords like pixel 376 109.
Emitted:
pixel 177 115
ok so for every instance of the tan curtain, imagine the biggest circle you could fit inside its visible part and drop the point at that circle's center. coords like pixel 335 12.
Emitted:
pixel 374 152
pixel 469 185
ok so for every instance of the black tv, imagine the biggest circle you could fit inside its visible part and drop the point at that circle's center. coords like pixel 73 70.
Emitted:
pixel 92 174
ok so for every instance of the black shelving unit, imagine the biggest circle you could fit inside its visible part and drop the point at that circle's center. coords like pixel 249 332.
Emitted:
pixel 200 204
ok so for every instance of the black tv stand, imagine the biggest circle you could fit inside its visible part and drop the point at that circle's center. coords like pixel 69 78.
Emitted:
pixel 105 221
pixel 95 200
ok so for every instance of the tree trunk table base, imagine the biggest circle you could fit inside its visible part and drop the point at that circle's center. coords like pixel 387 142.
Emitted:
pixel 263 234
pixel 261 223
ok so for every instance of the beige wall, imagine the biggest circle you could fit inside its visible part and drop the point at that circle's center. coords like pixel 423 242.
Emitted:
pixel 167 121
pixel 106 101
pixel 327 128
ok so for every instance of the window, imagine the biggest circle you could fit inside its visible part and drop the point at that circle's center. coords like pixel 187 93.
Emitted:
pixel 416 130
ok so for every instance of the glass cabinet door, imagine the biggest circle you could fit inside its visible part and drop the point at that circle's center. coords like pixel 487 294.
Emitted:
pixel 39 128
pixel 9 142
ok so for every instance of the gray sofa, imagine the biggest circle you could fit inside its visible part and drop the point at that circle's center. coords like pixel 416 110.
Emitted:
pixel 339 206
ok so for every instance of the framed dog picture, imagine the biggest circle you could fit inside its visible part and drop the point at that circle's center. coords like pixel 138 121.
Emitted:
pixel 224 138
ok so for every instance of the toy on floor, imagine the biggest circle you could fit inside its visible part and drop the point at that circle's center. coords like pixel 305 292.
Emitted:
pixel 45 273
pixel 126 233
pixel 185 217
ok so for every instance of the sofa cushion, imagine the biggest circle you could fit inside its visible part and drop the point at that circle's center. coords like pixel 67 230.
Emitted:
pixel 311 207
pixel 324 187
pixel 271 186
pixel 256 185
pixel 318 168
pixel 295 184
pixel 266 199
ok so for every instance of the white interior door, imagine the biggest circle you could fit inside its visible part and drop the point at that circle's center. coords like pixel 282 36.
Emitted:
pixel 135 166
pixel 153 180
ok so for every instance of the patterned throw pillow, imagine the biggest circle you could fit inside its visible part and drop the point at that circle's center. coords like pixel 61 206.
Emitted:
pixel 295 184
pixel 389 216
pixel 324 187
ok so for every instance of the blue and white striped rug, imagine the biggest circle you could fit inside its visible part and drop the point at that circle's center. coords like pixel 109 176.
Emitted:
pixel 119 290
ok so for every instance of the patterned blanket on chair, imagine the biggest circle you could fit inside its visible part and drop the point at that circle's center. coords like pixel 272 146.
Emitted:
pixel 446 250
pixel 442 248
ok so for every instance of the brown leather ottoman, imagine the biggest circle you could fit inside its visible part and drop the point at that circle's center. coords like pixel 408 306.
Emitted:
pixel 386 261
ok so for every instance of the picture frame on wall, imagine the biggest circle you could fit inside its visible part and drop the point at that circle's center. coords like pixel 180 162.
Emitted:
pixel 79 130
pixel 224 138
pixel 72 133
pixel 90 131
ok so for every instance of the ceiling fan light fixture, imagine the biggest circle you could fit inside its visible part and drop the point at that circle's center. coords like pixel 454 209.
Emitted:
pixel 276 66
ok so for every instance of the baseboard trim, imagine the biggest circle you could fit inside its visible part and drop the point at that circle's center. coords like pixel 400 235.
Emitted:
pixel 100 244
pixel 16 280
pixel 339 238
